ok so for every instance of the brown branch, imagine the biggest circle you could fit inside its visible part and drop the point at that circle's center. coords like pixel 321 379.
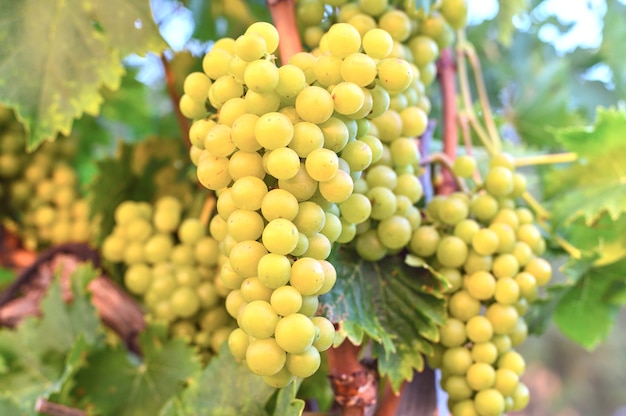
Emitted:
pixel 284 17
pixel 390 400
pixel 54 409
pixel 446 73
pixel 354 384
pixel 170 84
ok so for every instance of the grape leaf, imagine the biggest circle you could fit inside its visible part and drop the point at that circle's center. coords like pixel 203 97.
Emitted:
pixel 595 184
pixel 286 402
pixel 605 236
pixel 613 35
pixel 6 276
pixel 42 353
pixel 56 55
pixel 9 405
pixel 397 306
pixel 506 11
pixel 226 388
pixel 583 314
pixel 113 383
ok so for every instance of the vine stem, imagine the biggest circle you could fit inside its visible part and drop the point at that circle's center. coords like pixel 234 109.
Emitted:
pixel 446 162
pixel 390 400
pixel 464 88
pixel 54 409
pixel 445 70
pixel 284 17
pixel 170 85
pixel 540 211
pixel 546 159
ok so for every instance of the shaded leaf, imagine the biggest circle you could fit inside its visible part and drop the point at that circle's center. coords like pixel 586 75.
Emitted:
pixel 71 49
pixel 613 35
pixel 286 402
pixel 397 306
pixel 227 387
pixel 9 405
pixel 507 10
pixel 115 383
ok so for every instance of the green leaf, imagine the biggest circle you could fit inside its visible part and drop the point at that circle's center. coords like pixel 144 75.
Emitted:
pixel 70 49
pixel 613 35
pixel 583 314
pixel 593 185
pixel 397 306
pixel 286 403
pixel 9 405
pixel 7 276
pixel 42 353
pixel 226 388
pixel 507 10
pixel 113 383
pixel 604 236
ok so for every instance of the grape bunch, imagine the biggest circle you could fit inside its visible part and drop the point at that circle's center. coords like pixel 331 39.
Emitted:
pixel 490 251
pixel 41 190
pixel 170 263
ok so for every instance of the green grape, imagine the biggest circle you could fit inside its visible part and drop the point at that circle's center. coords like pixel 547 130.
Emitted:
pixel 304 364
pixel 519 185
pixel 356 208
pixel 319 247
pixel 465 229
pixel 404 151
pixel 113 248
pixel 306 138
pixel 381 175
pixel 529 234
pixel 209 298
pixel 369 247
pixel 206 251
pixel 212 172
pixel 343 39
pixel 377 43
pixel 286 300
pixel 397 23
pixel 457 388
pixel 463 306
pixel 184 302
pixel 248 192
pixel 520 397
pixel 484 207
pixel 499 181
pixel 310 304
pixel 327 70
pixel 302 186
pixel 282 163
pixel 485 242
pixel 265 357
pixel 464 166
pixel 261 76
pixel 189 107
pixel 242 132
pixel 182 255
pixel 463 408
pixel 452 333
pixel 273 130
pixel 451 252
pixel 134 253
pixel 394 74
pixel 332 226
pixel 253 289
pixel 507 291
pixel 262 103
pixel 456 361
pixel 338 188
pixel 305 61
pixel 479 329
pixel 214 319
pixel 373 7
pixel 394 232
pixel 484 352
pixel 243 163
pixel 336 134
pixel 258 319
pixel 520 332
pixel 414 122
pixel 507 216
pixel 307 275
pixel 424 241
pixel 362 23
pixel 278 203
pixel 505 265
pixel 506 381
pixel 455 13
pixel 295 333
pixel 314 104
pixel 234 303
pixel 245 256
pixel 223 89
pixel 454 278
pixel 230 111
pixel 506 237
pixel 409 186
pixel 540 269
pixel 502 317
pixel 250 46
pixel 389 125
pixel 513 361
pixel 325 333
pixel 186 275
pixel 348 97
pixel 138 278
pixel 268 32
pixel 452 210
pixel 310 218
pixel 279 380
pixel 480 376
pixel 489 402
pixel 291 80
pixel 280 236
pixel 322 164
pixel 358 68
pixel 383 202
pixel 527 285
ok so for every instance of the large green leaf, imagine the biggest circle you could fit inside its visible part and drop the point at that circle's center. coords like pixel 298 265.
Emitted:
pixel 55 55
pixel 396 305
pixel 116 384
pixel 596 183
pixel 286 402
pixel 226 388
pixel 43 353
pixel 613 35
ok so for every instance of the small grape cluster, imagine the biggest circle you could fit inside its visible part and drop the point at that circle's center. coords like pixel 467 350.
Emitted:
pixel 41 189
pixel 489 250
pixel 171 264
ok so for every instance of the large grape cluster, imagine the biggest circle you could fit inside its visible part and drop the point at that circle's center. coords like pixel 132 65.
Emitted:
pixel 40 190
pixel 490 251
pixel 170 263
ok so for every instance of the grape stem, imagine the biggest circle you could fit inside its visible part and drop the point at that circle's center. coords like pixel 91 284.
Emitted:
pixel 284 17
pixel 541 213
pixel 467 141
pixel 54 409
pixel 207 209
pixel 468 109
pixel 546 159
pixel 170 84
pixel 446 162
pixel 445 71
